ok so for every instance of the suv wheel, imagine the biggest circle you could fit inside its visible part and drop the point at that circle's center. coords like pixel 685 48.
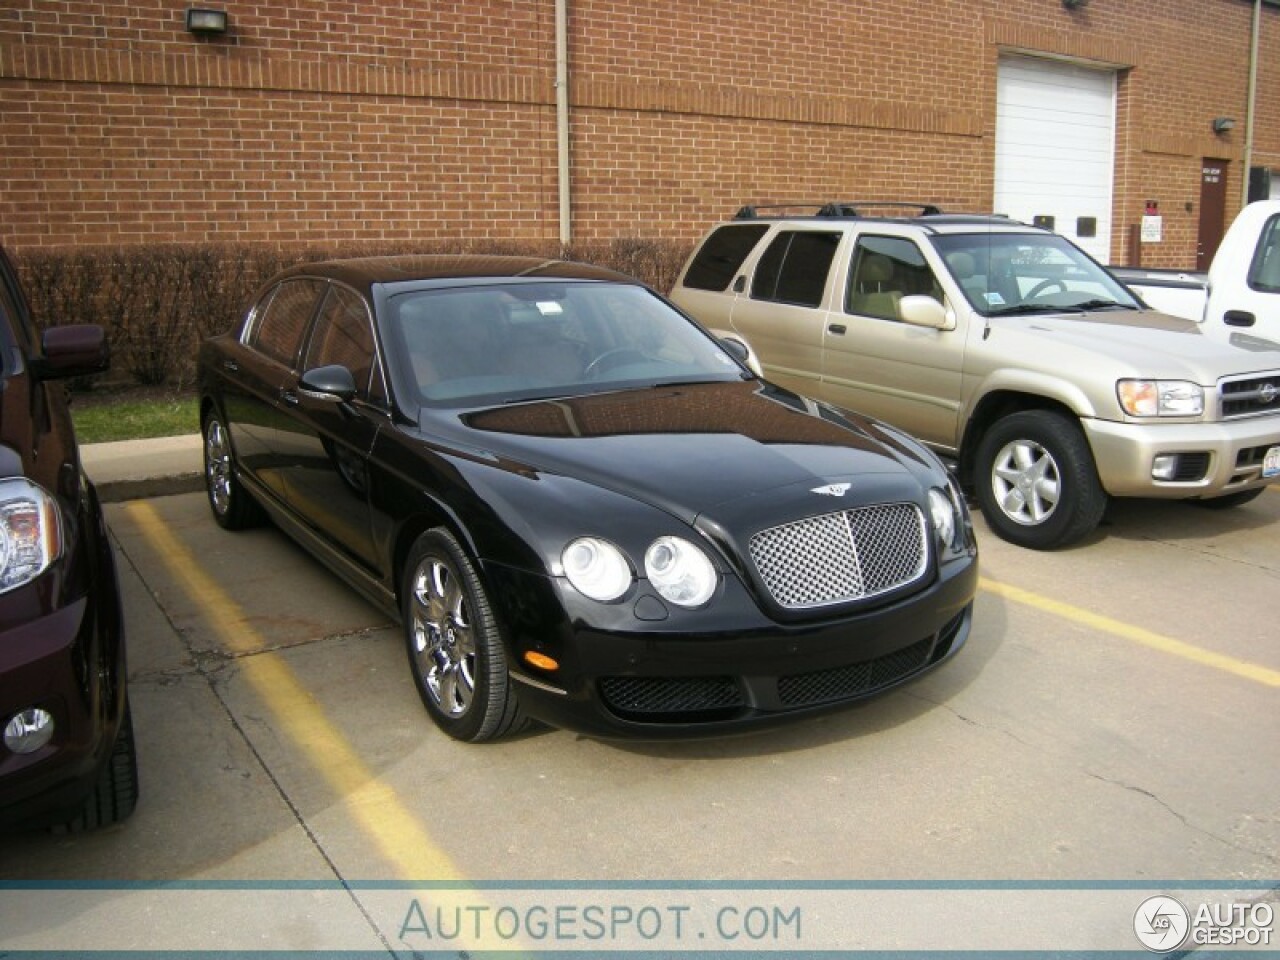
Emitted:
pixel 116 793
pixel 1036 480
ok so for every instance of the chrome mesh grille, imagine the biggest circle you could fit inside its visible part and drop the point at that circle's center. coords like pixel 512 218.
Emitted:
pixel 849 555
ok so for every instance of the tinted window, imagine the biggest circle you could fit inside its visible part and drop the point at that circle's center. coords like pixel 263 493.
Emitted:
pixel 794 269
pixel 277 333
pixel 1264 273
pixel 720 257
pixel 884 270
pixel 523 340
pixel 343 335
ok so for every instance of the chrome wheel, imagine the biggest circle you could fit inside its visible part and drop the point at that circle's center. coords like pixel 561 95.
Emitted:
pixel 444 645
pixel 217 458
pixel 1026 482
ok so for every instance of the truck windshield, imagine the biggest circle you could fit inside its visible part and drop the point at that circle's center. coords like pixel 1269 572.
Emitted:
pixel 1029 273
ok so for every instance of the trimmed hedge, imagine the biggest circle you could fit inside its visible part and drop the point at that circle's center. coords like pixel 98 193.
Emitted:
pixel 157 303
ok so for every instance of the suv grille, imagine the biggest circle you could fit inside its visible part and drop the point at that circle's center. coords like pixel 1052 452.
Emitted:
pixel 1250 395
pixel 669 695
pixel 849 555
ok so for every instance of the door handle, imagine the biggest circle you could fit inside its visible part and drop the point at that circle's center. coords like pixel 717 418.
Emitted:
pixel 1239 318
pixel 231 365
pixel 289 398
pixel 839 329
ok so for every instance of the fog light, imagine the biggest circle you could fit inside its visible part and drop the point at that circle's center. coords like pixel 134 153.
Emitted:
pixel 1164 467
pixel 29 731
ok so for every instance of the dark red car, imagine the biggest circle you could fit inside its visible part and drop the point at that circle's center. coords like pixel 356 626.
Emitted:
pixel 67 753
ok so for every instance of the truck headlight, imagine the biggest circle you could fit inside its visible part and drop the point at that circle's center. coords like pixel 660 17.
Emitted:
pixel 1160 398
pixel 30 532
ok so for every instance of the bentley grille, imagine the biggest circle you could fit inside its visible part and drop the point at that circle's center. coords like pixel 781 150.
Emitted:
pixel 849 555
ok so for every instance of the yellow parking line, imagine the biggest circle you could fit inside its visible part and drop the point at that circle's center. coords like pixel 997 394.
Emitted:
pixel 1126 631
pixel 396 833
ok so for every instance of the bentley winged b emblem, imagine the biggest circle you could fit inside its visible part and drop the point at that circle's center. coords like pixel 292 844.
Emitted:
pixel 833 489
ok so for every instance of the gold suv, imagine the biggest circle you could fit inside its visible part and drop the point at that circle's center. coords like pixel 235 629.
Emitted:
pixel 1002 346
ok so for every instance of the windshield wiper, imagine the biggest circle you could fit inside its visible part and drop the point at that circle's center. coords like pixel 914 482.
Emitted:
pixel 1101 304
pixel 1024 309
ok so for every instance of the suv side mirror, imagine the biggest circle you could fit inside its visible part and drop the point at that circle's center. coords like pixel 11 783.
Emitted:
pixel 75 350
pixel 922 311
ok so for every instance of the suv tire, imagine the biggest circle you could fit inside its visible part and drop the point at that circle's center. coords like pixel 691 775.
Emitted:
pixel 1036 481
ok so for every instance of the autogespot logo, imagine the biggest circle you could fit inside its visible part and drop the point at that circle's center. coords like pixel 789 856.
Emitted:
pixel 1161 924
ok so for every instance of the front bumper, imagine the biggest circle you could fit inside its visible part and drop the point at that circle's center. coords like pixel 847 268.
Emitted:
pixel 623 673
pixel 43 663
pixel 1219 458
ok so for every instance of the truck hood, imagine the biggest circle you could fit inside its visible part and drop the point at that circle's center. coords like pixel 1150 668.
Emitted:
pixel 1135 343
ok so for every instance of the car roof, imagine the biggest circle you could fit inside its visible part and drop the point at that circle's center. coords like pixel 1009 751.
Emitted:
pixel 363 273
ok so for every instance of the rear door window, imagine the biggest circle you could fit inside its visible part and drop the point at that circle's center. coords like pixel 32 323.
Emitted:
pixel 282 319
pixel 722 254
pixel 795 267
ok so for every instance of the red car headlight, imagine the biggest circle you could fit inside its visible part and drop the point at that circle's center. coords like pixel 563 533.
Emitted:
pixel 30 532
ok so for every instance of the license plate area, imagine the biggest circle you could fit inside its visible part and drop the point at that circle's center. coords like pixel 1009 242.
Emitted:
pixel 1271 463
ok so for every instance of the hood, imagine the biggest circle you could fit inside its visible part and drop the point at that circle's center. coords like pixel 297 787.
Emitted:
pixel 1143 343
pixel 690 448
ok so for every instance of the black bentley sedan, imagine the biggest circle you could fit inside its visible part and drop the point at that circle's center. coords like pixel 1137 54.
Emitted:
pixel 582 506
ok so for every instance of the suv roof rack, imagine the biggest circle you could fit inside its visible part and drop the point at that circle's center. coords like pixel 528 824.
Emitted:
pixel 837 208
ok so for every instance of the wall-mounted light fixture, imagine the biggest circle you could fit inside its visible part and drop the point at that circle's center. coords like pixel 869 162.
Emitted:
pixel 1223 124
pixel 206 22
pixel 1075 4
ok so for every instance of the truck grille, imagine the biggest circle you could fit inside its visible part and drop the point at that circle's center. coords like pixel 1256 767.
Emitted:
pixel 848 555
pixel 1249 396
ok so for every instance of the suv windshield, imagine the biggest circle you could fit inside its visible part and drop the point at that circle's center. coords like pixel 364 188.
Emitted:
pixel 1003 273
pixel 510 342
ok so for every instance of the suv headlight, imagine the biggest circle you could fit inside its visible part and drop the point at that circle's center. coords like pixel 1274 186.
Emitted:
pixel 30 532
pixel 1160 398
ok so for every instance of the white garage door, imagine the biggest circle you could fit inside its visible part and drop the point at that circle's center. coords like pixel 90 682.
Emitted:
pixel 1055 148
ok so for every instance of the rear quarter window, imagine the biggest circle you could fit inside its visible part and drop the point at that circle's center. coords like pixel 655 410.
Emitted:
pixel 718 260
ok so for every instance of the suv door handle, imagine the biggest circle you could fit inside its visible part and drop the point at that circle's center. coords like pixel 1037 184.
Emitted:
pixel 288 397
pixel 1239 318
pixel 231 365
pixel 839 329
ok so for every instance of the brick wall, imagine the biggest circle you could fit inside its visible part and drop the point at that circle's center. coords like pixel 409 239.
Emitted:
pixel 333 121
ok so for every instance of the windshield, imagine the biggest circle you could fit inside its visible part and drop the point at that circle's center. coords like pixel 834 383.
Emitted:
pixel 510 342
pixel 1028 273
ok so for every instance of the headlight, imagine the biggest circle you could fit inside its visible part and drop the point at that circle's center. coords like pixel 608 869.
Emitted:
pixel 30 532
pixel 1160 398
pixel 680 571
pixel 944 517
pixel 596 568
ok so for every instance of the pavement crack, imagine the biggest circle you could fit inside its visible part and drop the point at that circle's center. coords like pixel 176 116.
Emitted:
pixel 1181 818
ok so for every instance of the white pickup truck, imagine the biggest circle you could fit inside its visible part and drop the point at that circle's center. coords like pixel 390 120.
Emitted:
pixel 1241 289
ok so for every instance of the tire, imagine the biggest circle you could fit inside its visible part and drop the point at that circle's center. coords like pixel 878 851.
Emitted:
pixel 115 795
pixel 1036 481
pixel 454 644
pixel 1238 499
pixel 233 508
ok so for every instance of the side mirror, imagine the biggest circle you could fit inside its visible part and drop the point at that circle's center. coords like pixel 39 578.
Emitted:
pixel 331 384
pixel 740 350
pixel 922 311
pixel 76 350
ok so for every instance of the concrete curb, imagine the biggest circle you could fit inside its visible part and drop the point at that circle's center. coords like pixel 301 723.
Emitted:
pixel 134 469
